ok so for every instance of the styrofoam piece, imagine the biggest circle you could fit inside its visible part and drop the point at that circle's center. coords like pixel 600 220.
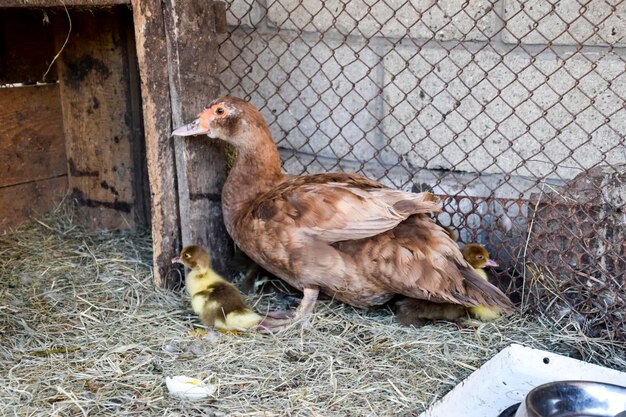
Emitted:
pixel 189 388
pixel 506 378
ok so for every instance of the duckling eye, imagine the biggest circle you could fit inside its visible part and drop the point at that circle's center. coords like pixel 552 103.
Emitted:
pixel 219 110
pixel 479 257
pixel 187 255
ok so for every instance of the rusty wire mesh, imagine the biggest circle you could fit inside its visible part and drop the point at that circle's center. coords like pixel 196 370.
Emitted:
pixel 512 110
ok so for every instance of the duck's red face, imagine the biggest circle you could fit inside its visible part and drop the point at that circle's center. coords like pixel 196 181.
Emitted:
pixel 223 119
pixel 219 121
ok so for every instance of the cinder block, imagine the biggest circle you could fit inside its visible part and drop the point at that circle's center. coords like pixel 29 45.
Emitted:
pixel 480 112
pixel 565 22
pixel 245 13
pixel 321 98
pixel 425 19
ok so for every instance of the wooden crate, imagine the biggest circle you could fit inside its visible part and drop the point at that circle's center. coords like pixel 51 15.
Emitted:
pixel 98 124
pixel 76 127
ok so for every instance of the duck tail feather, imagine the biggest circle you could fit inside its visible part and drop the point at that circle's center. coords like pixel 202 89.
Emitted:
pixel 484 293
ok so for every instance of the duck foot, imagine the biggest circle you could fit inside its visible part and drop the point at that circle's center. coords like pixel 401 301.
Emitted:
pixel 280 314
pixel 301 316
pixel 272 325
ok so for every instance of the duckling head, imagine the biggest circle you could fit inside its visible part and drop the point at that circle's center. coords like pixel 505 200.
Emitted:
pixel 193 256
pixel 477 256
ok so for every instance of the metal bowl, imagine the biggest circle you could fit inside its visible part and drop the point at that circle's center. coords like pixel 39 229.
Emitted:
pixel 574 399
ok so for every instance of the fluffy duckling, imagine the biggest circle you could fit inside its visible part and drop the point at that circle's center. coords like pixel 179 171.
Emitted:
pixel 478 257
pixel 413 312
pixel 218 303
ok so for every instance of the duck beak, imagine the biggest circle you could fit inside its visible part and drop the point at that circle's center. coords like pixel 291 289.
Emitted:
pixel 194 128
pixel 176 260
pixel 491 262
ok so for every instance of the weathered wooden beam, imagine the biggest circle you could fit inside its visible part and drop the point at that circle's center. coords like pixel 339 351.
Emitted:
pixel 57 3
pixel 157 117
pixel 97 117
pixel 200 162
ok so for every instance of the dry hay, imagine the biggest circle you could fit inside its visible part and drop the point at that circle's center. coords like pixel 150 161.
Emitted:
pixel 596 305
pixel 85 333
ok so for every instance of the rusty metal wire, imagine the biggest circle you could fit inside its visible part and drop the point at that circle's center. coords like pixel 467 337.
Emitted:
pixel 512 110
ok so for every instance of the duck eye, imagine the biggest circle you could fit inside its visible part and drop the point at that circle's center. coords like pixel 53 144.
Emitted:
pixel 219 110
pixel 187 255
pixel 479 257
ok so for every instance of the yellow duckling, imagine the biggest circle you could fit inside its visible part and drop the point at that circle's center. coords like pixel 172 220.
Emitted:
pixel 478 257
pixel 218 303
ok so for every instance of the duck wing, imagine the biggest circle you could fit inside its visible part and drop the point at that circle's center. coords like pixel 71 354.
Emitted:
pixel 339 207
pixel 419 260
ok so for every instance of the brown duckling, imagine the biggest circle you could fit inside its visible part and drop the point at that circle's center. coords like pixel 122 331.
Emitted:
pixel 413 312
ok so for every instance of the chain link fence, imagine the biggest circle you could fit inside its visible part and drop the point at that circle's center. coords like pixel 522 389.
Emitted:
pixel 513 111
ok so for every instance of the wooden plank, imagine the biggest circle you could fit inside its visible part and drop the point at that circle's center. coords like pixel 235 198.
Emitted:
pixel 157 118
pixel 26 46
pixel 200 163
pixel 18 203
pixel 97 117
pixel 141 185
pixel 32 144
pixel 67 3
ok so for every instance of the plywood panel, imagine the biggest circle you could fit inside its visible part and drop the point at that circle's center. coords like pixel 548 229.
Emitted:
pixel 18 203
pixel 100 129
pixel 26 46
pixel 32 144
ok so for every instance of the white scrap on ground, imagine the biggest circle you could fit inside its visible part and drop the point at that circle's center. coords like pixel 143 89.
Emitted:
pixel 189 388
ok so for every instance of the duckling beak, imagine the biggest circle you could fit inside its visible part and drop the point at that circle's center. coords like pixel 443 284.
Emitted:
pixel 491 262
pixel 194 128
pixel 176 260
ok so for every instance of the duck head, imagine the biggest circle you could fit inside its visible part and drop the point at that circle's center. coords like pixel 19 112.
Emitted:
pixel 193 256
pixel 230 119
pixel 477 256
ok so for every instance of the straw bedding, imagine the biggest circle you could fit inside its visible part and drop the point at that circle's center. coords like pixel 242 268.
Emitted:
pixel 84 333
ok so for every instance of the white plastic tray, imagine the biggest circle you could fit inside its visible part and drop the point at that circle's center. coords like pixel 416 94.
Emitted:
pixel 506 378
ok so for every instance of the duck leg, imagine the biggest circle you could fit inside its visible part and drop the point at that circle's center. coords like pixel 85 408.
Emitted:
pixel 306 307
pixel 275 322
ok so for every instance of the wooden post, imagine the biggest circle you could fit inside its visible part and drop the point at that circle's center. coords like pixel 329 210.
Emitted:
pixel 177 55
pixel 157 116
pixel 200 162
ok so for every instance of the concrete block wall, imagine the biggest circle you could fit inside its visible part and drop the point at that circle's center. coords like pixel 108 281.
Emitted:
pixel 501 92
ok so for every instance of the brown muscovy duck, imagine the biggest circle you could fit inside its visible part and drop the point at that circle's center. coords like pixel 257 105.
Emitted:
pixel 346 235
